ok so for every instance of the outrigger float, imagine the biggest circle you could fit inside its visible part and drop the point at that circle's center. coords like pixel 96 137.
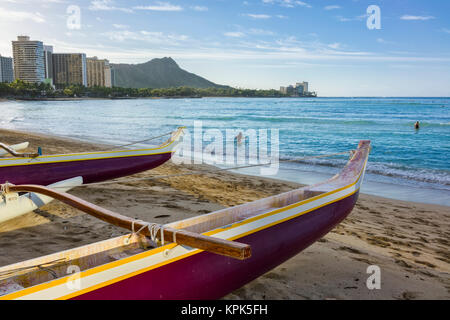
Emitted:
pixel 204 257
pixel 13 204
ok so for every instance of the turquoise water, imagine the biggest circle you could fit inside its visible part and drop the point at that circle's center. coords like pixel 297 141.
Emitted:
pixel 405 163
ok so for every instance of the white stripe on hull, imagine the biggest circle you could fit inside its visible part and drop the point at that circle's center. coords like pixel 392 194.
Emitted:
pixel 80 157
pixel 165 148
pixel 150 259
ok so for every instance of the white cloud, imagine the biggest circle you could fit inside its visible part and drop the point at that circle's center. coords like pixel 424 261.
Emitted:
pixel 261 32
pixel 303 4
pixel 156 44
pixel 120 26
pixel 153 37
pixel 160 6
pixel 383 41
pixel 333 7
pixel 18 16
pixel 357 18
pixel 75 34
pixel 421 18
pixel 446 30
pixel 335 45
pixel 258 16
pixel 234 34
pixel 200 8
pixel 252 31
pixel 106 5
pixel 288 3
pixel 41 1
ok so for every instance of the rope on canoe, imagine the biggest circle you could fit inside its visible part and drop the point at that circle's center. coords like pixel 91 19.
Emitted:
pixel 140 141
pixel 4 188
pixel 175 236
pixel 153 229
pixel 133 232
pixel 21 270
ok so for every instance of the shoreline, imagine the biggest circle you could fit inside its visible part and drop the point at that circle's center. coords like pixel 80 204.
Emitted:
pixel 376 188
pixel 201 97
pixel 409 241
pixel 90 98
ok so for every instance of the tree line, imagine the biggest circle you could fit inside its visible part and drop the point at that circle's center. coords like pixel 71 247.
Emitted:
pixel 22 89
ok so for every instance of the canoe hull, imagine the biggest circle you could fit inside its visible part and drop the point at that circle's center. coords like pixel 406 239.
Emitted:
pixel 276 228
pixel 95 170
pixel 210 276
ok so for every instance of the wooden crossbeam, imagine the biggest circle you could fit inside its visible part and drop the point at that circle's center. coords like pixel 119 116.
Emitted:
pixel 211 244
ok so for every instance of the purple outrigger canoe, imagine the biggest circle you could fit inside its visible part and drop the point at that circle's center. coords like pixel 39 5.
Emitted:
pixel 91 166
pixel 132 267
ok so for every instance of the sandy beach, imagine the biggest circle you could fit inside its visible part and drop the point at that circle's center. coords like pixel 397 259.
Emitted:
pixel 408 241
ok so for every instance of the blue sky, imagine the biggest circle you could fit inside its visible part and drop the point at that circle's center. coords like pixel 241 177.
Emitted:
pixel 257 43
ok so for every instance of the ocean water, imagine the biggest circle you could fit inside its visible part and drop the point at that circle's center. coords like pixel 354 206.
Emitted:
pixel 405 163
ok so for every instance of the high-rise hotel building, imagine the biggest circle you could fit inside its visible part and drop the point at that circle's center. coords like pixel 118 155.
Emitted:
pixel 28 59
pixel 48 63
pixel 108 75
pixel 69 68
pixel 6 69
pixel 98 72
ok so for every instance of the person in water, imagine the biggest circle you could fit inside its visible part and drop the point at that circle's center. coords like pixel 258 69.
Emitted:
pixel 417 125
pixel 239 138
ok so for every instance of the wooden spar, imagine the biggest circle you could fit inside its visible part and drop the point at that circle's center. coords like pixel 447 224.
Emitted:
pixel 16 154
pixel 13 205
pixel 15 147
pixel 211 244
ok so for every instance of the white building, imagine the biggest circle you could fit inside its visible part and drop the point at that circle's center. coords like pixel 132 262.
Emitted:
pixel 304 85
pixel 6 69
pixel 98 72
pixel 28 59
pixel 108 75
pixel 48 63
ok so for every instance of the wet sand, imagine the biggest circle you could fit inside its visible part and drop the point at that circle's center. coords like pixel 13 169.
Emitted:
pixel 408 241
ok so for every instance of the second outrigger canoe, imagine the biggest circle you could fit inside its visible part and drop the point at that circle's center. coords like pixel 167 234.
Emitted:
pixel 193 262
pixel 92 166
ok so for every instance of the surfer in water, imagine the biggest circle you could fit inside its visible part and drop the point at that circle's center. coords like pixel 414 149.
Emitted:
pixel 239 138
pixel 417 125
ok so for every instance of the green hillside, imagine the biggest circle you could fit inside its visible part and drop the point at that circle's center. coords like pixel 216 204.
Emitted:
pixel 158 73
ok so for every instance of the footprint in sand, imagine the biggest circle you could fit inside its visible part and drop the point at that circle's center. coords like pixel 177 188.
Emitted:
pixel 403 264
pixel 171 205
pixel 425 263
pixel 273 275
pixel 409 295
pixel 351 250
